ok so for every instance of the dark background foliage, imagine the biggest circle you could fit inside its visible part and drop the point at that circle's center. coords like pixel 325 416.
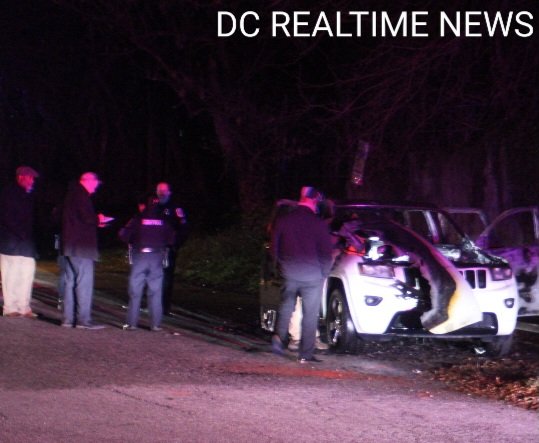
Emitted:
pixel 142 91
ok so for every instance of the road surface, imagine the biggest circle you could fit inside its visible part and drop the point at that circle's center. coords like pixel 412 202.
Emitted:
pixel 200 380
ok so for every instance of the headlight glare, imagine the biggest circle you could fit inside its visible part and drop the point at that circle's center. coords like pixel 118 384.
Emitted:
pixel 498 274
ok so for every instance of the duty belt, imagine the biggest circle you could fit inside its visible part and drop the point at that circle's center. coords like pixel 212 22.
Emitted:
pixel 133 250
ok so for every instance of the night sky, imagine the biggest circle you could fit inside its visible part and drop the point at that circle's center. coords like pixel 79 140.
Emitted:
pixel 142 91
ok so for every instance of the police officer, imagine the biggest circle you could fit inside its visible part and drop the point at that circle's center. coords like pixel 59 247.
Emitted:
pixel 148 235
pixel 175 216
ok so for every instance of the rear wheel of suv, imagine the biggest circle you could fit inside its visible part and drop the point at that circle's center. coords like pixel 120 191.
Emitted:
pixel 499 346
pixel 340 330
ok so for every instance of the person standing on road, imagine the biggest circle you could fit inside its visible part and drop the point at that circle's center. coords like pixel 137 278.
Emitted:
pixel 175 216
pixel 301 245
pixel 148 236
pixel 56 219
pixel 17 245
pixel 79 247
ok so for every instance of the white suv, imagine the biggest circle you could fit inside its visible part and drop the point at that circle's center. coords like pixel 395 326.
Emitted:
pixel 406 271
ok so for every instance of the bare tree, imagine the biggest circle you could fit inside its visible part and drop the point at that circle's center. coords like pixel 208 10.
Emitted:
pixel 294 109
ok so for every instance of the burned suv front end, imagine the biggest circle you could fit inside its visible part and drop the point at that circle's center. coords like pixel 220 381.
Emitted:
pixel 403 270
pixel 409 271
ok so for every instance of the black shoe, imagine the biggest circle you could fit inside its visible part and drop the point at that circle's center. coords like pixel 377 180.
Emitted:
pixel 312 359
pixel 277 346
pixel 91 326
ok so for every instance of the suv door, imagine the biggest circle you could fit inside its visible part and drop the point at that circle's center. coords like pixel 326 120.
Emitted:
pixel 514 235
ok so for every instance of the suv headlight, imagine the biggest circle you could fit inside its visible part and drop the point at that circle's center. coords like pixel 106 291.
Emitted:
pixel 379 271
pixel 501 273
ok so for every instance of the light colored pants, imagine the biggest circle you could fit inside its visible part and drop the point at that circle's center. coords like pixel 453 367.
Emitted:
pixel 294 327
pixel 17 278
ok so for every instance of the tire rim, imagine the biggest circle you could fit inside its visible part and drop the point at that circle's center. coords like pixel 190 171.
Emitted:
pixel 335 326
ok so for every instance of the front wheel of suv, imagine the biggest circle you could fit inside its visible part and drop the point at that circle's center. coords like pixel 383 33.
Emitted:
pixel 341 334
pixel 500 346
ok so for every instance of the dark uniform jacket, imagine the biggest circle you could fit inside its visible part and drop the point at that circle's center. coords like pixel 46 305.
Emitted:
pixel 17 222
pixel 79 224
pixel 148 230
pixel 175 217
pixel 302 246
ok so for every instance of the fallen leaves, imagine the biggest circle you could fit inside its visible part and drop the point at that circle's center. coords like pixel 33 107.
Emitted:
pixel 512 380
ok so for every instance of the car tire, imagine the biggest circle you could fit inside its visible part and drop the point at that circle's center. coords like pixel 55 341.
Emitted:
pixel 340 331
pixel 500 346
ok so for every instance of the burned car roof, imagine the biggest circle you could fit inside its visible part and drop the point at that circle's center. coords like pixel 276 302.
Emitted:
pixel 434 224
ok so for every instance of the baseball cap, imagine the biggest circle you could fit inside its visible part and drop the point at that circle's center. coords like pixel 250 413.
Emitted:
pixel 26 171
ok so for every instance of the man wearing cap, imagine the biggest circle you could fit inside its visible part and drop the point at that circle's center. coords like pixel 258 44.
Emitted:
pixel 79 247
pixel 17 246
pixel 302 247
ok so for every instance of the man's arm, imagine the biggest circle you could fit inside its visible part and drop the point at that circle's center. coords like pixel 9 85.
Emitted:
pixel 81 205
pixel 8 219
pixel 126 233
pixel 325 250
pixel 275 241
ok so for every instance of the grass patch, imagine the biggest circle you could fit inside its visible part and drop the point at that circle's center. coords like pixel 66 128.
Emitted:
pixel 227 260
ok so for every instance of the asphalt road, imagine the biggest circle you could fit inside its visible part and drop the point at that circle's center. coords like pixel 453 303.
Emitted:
pixel 203 380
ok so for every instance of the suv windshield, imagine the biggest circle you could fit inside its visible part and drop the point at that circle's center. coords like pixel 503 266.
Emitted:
pixel 433 225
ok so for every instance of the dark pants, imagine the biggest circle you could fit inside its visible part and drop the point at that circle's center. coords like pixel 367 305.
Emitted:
pixel 79 289
pixel 146 270
pixel 168 279
pixel 311 295
pixel 62 263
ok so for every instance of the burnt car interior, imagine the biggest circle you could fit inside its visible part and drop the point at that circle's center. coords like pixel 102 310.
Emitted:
pixel 377 234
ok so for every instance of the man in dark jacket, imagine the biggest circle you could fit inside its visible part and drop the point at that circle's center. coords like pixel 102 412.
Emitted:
pixel 79 246
pixel 148 236
pixel 175 216
pixel 17 247
pixel 302 247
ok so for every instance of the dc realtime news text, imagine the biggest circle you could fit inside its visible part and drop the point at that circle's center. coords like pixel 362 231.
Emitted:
pixel 378 24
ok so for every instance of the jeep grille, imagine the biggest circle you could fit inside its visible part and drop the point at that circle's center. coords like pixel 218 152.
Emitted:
pixel 476 278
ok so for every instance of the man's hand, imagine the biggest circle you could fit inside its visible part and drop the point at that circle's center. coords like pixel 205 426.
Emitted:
pixel 103 220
